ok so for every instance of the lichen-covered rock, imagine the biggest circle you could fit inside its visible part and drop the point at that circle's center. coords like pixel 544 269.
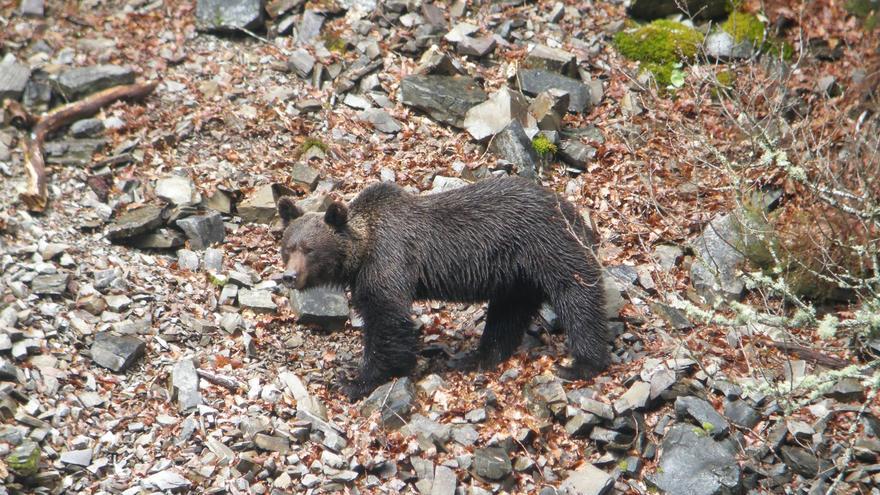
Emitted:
pixel 25 459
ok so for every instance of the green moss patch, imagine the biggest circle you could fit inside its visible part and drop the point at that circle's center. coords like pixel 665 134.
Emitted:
pixel 543 145
pixel 660 42
pixel 335 43
pixel 660 45
pixel 311 142
pixel 744 27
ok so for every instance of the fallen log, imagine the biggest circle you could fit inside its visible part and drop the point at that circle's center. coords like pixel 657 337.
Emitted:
pixel 35 196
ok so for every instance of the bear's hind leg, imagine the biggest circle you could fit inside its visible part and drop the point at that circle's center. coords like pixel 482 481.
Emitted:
pixel 507 320
pixel 580 307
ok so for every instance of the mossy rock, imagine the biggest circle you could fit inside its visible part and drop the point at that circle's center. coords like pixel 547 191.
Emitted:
pixel 660 42
pixel 745 27
pixel 801 263
pixel 25 459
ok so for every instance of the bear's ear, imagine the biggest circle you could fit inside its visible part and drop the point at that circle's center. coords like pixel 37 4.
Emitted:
pixel 287 210
pixel 336 215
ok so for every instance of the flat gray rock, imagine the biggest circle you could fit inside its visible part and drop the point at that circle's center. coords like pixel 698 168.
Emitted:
pixel 213 260
pixel 513 145
pixel 8 371
pixel 587 480
pixel 188 260
pixel 673 316
pixel 301 62
pixel 694 464
pixel 86 128
pixel 309 27
pixel 381 120
pixel 135 222
pixel 492 464
pixel 203 230
pixel 117 353
pixel 81 81
pixel 33 8
pixel 445 98
pixel 322 306
pixel 259 301
pixel 13 80
pixel 432 431
pixel 493 115
pixel 229 15
pixel 543 57
pixel 635 398
pixel 546 396
pixel 165 480
pixel 259 206
pixel 477 47
pixel 703 413
pixel 394 401
pixel 177 190
pixel 534 81
pixel 55 284
pixel 714 272
pixel 740 413
pixel 576 154
pixel 272 443
pixel 305 174
pixel 581 423
pixel 445 481
pixel 160 239
pixel 82 457
pixel 185 384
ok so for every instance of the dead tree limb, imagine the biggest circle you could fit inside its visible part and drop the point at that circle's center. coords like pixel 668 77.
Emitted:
pixel 223 381
pixel 35 197
pixel 808 354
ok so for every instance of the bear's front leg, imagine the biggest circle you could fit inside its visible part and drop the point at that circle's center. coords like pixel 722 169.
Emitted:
pixel 390 342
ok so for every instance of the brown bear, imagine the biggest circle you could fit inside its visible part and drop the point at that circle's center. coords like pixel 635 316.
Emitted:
pixel 507 241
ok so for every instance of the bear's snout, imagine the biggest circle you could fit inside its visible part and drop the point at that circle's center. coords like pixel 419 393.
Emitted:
pixel 289 278
pixel 295 275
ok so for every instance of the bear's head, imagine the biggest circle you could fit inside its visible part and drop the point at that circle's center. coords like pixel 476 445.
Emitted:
pixel 314 246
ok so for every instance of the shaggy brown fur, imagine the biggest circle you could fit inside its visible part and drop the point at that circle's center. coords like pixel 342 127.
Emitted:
pixel 507 241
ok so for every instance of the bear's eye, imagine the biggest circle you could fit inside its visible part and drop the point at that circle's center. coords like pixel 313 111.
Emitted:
pixel 305 249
